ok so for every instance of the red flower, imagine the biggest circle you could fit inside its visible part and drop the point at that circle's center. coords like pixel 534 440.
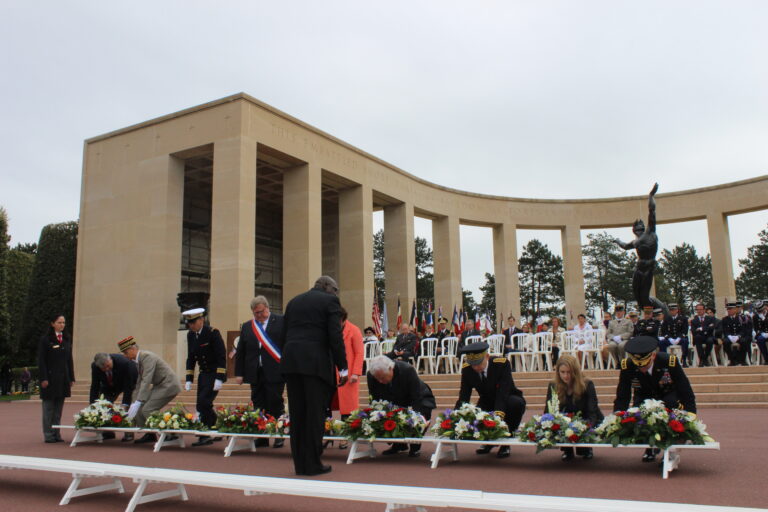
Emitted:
pixel 117 418
pixel 570 415
pixel 446 425
pixel 631 419
pixel 555 427
pixel 621 413
pixel 355 423
pixel 390 414
pixel 367 410
pixel 676 426
pixel 531 435
pixel 489 423
pixel 389 425
pixel 574 438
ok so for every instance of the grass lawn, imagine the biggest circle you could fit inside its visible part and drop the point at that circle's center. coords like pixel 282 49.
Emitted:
pixel 8 398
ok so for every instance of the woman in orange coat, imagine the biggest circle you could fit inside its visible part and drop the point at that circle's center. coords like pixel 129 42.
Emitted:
pixel 347 397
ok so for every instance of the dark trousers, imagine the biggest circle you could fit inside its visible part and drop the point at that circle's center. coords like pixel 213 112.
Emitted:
pixel 205 397
pixel 760 340
pixel 308 398
pixel 268 396
pixel 703 346
pixel 513 410
pixel 737 355
pixel 52 416
pixel 665 343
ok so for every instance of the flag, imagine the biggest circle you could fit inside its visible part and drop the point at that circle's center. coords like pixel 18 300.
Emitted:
pixel 413 320
pixel 462 319
pixel 455 321
pixel 376 314
pixel 439 314
pixel 384 320
pixel 430 316
pixel 423 321
pixel 399 314
pixel 477 320
pixel 485 324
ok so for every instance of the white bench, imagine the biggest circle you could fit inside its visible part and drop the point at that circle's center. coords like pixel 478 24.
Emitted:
pixel 394 496
pixel 164 437
pixel 449 448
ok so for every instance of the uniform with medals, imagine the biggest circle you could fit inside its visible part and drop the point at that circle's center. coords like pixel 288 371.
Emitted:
pixel 647 326
pixel 205 348
pixel 760 324
pixel 494 385
pixel 674 331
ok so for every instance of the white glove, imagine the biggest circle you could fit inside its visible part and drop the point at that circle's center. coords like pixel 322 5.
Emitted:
pixel 733 339
pixel 617 339
pixel 661 338
pixel 134 409
pixel 217 385
pixel 675 341
pixel 187 386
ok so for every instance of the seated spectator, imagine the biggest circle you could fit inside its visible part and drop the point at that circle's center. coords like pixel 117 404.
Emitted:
pixel 674 331
pixel 576 394
pixel 582 335
pixel 510 331
pixel 703 331
pixel 542 327
pixel 760 324
pixel 469 330
pixel 405 344
pixel 556 330
pixel 369 335
pixel 390 335
pixel 619 331
pixel 607 317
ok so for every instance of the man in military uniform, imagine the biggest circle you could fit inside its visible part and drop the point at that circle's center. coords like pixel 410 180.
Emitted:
pixel 703 331
pixel 648 325
pixel 737 335
pixel 760 324
pixel 746 319
pixel 620 329
pixel 405 344
pixel 492 379
pixel 654 375
pixel 206 348
pixel 442 329
pixel 674 331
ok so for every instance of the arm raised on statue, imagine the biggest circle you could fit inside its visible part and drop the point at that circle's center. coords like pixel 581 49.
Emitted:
pixel 652 209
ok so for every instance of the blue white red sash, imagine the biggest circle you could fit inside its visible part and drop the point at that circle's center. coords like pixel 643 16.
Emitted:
pixel 265 340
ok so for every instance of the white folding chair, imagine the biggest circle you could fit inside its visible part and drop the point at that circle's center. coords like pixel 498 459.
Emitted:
pixel 371 349
pixel 386 346
pixel 447 356
pixel 427 355
pixel 542 351
pixel 520 344
pixel 495 344
pixel 468 341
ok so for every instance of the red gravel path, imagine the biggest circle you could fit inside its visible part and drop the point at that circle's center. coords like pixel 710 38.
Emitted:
pixel 734 476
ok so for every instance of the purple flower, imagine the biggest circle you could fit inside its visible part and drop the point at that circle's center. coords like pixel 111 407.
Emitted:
pixel 547 417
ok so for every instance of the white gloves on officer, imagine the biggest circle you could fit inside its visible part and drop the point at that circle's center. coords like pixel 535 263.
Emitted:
pixel 217 385
pixel 187 386
pixel 617 339
pixel 674 341
pixel 133 409
pixel 661 338
pixel 733 339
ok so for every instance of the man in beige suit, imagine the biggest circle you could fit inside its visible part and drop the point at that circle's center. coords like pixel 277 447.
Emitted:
pixel 157 384
pixel 620 329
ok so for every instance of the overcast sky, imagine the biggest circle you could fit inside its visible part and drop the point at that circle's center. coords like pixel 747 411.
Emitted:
pixel 551 99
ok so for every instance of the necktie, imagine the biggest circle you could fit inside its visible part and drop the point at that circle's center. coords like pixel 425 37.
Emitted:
pixel 58 337
pixel 109 377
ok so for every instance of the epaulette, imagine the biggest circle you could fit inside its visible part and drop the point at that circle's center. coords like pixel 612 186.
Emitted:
pixel 500 413
pixel 672 360
pixel 190 372
pixel 499 359
pixel 464 365
pixel 624 364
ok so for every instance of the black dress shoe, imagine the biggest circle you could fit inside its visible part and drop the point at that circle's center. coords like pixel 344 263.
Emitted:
pixel 59 440
pixel 395 448
pixel 146 438
pixel 262 442
pixel 217 439
pixel 279 443
pixel 503 452
pixel 51 441
pixel 323 470
pixel 567 455
pixel 107 435
pixel 203 441
pixel 414 453
pixel 127 437
pixel 485 449
pixel 588 455
pixel 650 454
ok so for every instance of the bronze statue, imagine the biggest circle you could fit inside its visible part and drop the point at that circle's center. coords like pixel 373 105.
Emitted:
pixel 646 244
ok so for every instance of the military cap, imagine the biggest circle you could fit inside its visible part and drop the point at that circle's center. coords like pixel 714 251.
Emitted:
pixel 618 307
pixel 759 304
pixel 126 343
pixel 647 308
pixel 193 314
pixel 475 352
pixel 442 320
pixel 731 305
pixel 656 311
pixel 673 305
pixel 739 303
pixel 640 349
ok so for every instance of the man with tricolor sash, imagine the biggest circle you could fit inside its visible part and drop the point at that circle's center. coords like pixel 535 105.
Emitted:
pixel 257 361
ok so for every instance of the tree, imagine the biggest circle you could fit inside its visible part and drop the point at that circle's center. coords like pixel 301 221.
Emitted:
pixel 542 289
pixel 752 283
pixel 607 272
pixel 684 278
pixel 52 285
pixel 20 265
pixel 425 280
pixel 378 265
pixel 5 321
pixel 488 302
pixel 468 302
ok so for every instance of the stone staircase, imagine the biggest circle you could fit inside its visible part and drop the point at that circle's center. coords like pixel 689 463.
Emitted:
pixel 722 387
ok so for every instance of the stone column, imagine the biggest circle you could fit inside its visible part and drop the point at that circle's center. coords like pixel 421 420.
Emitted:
pixel 722 265
pixel 506 272
pixel 446 252
pixel 233 229
pixel 302 229
pixel 355 254
pixel 574 273
pixel 399 260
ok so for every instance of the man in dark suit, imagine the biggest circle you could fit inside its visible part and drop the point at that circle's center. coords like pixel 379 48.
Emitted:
pixel 405 345
pixel 492 379
pixel 703 330
pixel 760 324
pixel 313 346
pixel 469 330
pixel 655 375
pixel 510 331
pixel 397 382
pixel 257 361
pixel 112 375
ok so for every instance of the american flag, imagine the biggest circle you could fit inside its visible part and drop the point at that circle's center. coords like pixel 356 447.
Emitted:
pixel 376 314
